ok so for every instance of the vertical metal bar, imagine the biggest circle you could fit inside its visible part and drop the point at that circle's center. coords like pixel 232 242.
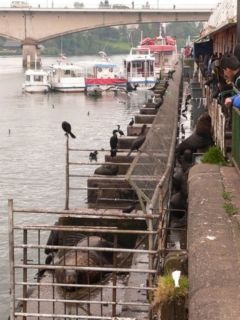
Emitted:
pixel 11 258
pixel 24 273
pixel 67 175
pixel 150 256
pixel 39 259
pixel 238 21
pixel 114 290
pixel 88 278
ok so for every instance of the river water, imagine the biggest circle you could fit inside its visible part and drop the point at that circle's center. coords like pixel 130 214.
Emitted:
pixel 32 145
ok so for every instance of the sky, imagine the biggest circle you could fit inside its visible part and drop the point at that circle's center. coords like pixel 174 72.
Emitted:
pixel 137 3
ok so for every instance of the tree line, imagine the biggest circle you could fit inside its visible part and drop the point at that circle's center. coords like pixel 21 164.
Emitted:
pixel 114 40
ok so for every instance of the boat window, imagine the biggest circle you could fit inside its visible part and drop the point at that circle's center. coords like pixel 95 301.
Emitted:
pixel 38 78
pixel 28 78
pixel 67 72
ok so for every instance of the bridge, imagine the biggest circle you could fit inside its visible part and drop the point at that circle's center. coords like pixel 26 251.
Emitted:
pixel 26 25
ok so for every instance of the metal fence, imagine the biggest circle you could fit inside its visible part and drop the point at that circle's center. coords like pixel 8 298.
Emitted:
pixel 116 275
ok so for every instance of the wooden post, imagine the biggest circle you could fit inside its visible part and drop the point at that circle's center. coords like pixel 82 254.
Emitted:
pixel 67 174
pixel 238 22
pixel 11 259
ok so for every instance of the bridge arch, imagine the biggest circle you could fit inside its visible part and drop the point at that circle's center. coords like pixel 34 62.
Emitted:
pixel 26 25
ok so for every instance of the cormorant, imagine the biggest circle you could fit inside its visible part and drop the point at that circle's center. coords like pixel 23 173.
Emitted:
pixel 93 155
pixel 113 143
pixel 182 129
pixel 120 131
pixel 131 122
pixel 137 143
pixel 67 128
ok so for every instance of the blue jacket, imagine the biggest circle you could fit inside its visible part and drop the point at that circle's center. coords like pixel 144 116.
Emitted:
pixel 236 101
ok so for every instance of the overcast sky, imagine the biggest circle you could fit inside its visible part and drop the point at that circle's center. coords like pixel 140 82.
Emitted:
pixel 137 3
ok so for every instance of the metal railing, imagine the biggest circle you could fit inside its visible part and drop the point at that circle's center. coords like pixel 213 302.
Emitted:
pixel 116 276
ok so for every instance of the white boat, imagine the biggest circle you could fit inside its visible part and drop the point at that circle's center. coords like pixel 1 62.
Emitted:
pixel 67 77
pixel 139 69
pixel 36 81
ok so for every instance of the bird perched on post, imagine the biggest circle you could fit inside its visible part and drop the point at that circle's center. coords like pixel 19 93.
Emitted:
pixel 113 143
pixel 137 143
pixel 182 129
pixel 67 128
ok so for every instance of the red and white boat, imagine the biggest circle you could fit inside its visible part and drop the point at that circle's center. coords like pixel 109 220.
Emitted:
pixel 164 50
pixel 104 74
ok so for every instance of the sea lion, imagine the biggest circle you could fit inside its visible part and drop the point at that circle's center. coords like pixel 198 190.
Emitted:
pixel 81 258
pixel 107 169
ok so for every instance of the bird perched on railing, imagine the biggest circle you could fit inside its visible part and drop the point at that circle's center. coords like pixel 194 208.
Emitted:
pixel 131 122
pixel 67 128
pixel 113 143
pixel 93 155
pixel 120 131
pixel 137 143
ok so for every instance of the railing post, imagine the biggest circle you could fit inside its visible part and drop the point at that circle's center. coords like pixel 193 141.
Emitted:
pixel 11 258
pixel 67 175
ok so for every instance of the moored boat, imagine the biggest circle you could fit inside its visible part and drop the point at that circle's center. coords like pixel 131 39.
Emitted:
pixel 36 81
pixel 139 68
pixel 67 77
pixel 104 74
pixel 164 50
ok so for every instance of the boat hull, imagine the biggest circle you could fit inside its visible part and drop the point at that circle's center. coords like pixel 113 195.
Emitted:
pixel 36 88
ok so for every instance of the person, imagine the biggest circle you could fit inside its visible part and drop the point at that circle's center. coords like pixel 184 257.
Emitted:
pixel 132 4
pixel 231 69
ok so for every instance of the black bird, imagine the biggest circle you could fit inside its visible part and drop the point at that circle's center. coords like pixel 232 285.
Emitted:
pixel 184 115
pixel 131 122
pixel 185 108
pixel 137 143
pixel 67 128
pixel 120 131
pixel 113 143
pixel 182 129
pixel 93 155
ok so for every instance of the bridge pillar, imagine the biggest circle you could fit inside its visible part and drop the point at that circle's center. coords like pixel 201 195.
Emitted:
pixel 30 54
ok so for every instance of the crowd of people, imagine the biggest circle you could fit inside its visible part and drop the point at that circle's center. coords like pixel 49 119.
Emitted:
pixel 222 74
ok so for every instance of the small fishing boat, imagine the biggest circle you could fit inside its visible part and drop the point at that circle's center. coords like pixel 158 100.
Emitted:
pixel 67 77
pixel 36 81
pixel 139 69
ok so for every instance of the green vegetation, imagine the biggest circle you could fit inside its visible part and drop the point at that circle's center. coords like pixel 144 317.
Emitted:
pixel 228 205
pixel 166 289
pixel 214 156
pixel 227 196
pixel 113 40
